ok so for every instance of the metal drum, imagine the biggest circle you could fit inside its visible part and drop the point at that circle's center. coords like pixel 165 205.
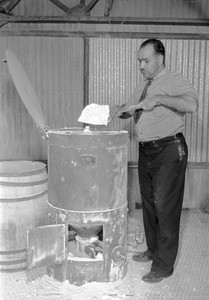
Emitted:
pixel 87 171
pixel 87 178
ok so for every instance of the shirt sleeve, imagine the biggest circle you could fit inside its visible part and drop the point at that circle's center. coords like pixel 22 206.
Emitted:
pixel 182 86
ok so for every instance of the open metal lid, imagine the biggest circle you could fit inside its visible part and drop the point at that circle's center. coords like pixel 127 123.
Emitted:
pixel 26 91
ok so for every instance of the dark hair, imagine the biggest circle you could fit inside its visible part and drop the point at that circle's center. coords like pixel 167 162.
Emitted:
pixel 157 45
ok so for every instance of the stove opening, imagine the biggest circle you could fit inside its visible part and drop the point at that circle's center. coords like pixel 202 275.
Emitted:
pixel 85 242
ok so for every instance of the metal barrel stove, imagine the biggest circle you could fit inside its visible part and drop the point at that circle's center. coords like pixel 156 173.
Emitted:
pixel 85 239
pixel 87 186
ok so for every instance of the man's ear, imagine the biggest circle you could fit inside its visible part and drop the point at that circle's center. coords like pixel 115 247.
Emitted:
pixel 160 60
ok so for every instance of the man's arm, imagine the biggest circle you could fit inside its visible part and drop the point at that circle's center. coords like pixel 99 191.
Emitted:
pixel 122 111
pixel 182 103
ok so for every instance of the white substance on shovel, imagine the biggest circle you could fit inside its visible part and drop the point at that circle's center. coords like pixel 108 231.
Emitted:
pixel 95 114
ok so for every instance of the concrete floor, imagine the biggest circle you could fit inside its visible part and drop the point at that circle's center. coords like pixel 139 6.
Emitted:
pixel 189 281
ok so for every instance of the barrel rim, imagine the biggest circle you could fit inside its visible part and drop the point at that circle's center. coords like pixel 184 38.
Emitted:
pixel 40 170
pixel 80 131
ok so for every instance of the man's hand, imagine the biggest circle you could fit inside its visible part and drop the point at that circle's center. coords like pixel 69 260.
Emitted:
pixel 123 111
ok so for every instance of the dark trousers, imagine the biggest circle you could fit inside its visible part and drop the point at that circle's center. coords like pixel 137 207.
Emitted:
pixel 161 169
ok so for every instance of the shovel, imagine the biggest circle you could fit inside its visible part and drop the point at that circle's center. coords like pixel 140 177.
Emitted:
pixel 26 91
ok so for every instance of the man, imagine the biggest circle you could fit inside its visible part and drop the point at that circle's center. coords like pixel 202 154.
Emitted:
pixel 158 109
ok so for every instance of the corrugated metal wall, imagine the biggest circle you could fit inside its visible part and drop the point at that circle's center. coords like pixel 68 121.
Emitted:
pixel 55 68
pixel 114 73
pixel 121 8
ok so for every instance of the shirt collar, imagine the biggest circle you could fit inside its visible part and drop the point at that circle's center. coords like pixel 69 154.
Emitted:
pixel 163 72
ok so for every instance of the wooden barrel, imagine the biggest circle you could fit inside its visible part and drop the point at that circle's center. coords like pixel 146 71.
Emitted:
pixel 23 204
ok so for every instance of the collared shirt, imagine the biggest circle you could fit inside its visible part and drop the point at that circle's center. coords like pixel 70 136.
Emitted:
pixel 162 121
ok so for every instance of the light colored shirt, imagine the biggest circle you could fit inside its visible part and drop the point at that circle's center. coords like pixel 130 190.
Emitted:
pixel 162 121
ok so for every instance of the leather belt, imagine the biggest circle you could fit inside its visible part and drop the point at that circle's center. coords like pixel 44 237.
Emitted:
pixel 161 142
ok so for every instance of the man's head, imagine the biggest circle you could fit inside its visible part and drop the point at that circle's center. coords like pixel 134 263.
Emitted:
pixel 151 56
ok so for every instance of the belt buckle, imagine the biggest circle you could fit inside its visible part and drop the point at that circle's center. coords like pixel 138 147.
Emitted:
pixel 155 144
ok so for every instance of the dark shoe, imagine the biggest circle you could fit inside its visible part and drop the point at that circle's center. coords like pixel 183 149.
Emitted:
pixel 153 277
pixel 143 256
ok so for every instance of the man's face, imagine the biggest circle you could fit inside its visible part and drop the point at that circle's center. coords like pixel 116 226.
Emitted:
pixel 150 63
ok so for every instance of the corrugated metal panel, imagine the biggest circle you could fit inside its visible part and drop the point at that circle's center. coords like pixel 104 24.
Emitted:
pixel 114 73
pixel 122 8
pixel 113 77
pixel 55 68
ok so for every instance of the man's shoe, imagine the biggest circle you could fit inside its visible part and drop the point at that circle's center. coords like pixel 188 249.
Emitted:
pixel 143 256
pixel 153 277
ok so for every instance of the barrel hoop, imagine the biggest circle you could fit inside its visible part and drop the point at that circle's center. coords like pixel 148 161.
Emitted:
pixel 21 174
pixel 20 184
pixel 25 198
pixel 12 252
pixel 13 270
pixel 12 262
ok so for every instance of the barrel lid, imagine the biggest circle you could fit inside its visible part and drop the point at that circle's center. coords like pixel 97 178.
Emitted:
pixel 25 89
